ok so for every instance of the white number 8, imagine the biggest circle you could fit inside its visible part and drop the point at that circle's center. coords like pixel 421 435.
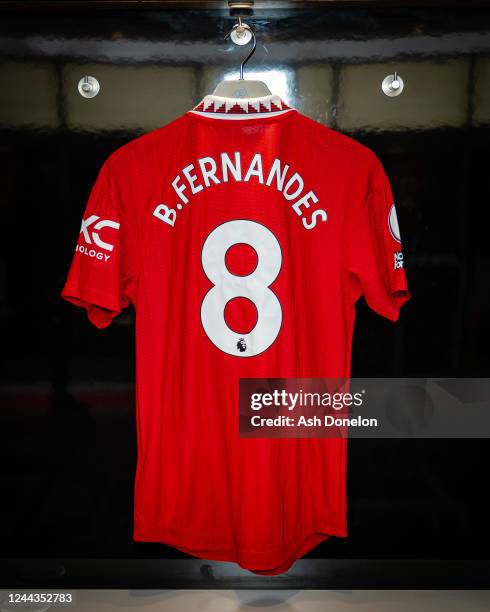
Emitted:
pixel 254 286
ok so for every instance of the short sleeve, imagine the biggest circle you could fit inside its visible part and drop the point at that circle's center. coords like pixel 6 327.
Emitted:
pixel 374 258
pixel 103 272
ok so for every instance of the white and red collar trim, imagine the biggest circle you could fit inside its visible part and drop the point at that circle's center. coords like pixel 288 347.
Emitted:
pixel 241 108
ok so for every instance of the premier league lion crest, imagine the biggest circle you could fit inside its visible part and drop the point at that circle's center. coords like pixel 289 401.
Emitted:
pixel 241 345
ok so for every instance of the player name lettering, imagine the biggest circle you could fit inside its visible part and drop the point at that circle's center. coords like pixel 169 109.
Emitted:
pixel 210 171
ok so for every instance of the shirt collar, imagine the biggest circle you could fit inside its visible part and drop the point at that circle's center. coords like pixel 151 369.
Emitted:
pixel 241 108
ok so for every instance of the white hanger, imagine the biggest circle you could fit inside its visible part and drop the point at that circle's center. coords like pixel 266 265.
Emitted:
pixel 242 88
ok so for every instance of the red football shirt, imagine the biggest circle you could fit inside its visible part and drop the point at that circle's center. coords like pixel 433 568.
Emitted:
pixel 243 232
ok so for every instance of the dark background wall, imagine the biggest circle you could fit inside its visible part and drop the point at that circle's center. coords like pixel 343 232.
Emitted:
pixel 67 421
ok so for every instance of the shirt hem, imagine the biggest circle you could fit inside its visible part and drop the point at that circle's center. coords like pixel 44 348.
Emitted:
pixel 262 563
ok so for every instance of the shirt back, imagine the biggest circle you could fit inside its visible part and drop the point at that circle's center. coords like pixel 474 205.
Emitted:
pixel 243 232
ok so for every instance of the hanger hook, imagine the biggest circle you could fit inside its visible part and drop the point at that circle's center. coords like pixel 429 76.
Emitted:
pixel 244 25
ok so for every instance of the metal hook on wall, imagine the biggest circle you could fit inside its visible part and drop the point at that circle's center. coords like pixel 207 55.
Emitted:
pixel 88 86
pixel 392 85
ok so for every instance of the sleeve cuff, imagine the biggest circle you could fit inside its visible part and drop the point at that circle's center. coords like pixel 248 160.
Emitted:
pixel 389 306
pixel 101 307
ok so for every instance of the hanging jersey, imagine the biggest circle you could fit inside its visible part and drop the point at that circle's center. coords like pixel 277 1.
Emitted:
pixel 243 233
